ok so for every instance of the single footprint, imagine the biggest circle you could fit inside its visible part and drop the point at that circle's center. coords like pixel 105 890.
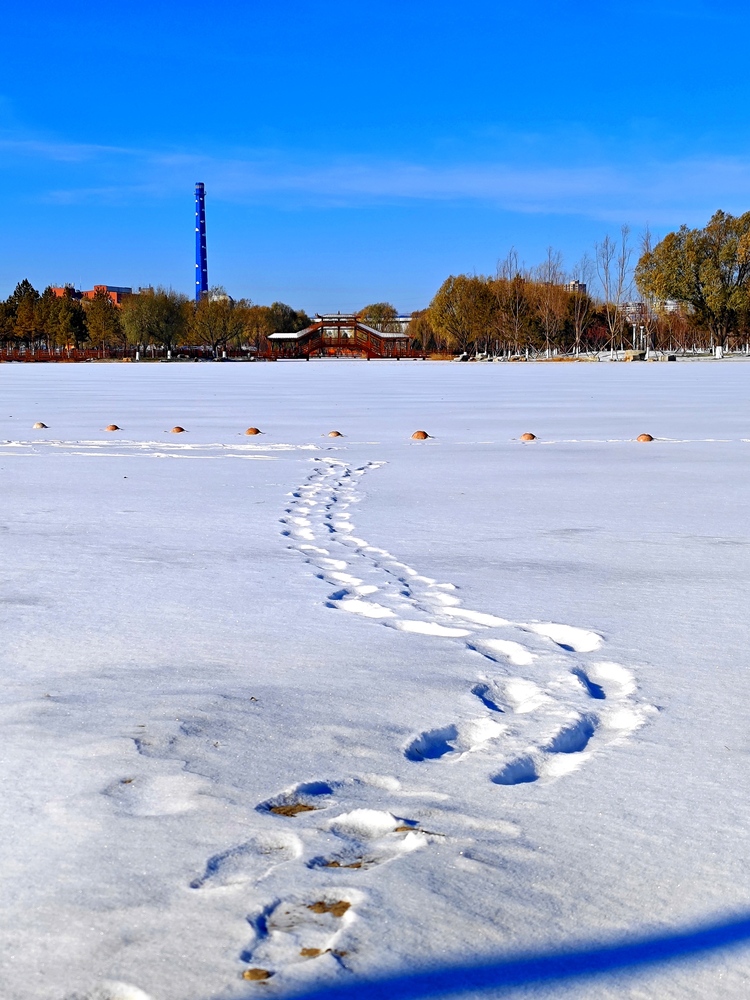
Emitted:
pixel 572 738
pixel 157 795
pixel 622 713
pixel 248 862
pixel 514 694
pixel 592 689
pixel 568 637
pixel 288 932
pixel 356 606
pixel 305 797
pixel 486 692
pixel 453 740
pixel 370 837
pixel 429 628
pixel 513 652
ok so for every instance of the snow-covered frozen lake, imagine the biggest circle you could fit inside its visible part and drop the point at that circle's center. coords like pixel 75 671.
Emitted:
pixel 322 707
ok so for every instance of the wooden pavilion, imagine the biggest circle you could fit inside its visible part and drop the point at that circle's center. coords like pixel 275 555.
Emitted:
pixel 339 335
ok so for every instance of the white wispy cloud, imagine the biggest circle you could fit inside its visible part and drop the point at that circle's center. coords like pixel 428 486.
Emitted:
pixel 655 190
pixel 632 189
pixel 62 152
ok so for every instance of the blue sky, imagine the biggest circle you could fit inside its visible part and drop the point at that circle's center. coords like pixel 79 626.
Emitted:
pixel 359 152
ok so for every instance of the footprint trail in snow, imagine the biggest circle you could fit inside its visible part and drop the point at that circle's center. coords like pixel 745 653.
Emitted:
pixel 547 702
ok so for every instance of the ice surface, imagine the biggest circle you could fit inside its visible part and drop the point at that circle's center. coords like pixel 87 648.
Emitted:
pixel 330 708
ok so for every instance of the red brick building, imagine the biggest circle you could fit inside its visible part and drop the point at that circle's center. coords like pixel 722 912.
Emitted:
pixel 115 292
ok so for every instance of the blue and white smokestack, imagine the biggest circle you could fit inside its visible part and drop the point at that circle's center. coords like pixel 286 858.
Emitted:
pixel 201 257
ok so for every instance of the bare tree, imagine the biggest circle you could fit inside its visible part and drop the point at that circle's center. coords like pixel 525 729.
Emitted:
pixel 512 300
pixel 673 329
pixel 613 269
pixel 581 278
pixel 550 297
pixel 650 306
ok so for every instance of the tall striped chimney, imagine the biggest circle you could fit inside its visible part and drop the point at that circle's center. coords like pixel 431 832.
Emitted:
pixel 201 257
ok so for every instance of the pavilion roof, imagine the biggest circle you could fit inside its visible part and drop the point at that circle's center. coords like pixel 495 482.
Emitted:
pixel 329 320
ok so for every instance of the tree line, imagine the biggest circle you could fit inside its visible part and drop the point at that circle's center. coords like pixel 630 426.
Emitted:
pixel 689 291
pixel 153 318
pixel 159 319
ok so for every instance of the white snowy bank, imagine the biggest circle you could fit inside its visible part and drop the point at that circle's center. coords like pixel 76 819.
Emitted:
pixel 321 708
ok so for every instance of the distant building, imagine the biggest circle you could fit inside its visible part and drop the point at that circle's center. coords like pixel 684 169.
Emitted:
pixel 576 287
pixel 115 292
